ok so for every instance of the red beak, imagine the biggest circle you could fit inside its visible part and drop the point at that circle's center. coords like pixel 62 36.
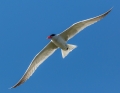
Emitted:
pixel 49 37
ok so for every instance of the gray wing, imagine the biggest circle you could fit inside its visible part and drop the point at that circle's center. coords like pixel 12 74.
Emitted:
pixel 77 27
pixel 38 59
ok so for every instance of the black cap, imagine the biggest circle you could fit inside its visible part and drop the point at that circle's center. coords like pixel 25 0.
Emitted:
pixel 52 34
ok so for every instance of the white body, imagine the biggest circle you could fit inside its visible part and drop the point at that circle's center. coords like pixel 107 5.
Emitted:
pixel 60 42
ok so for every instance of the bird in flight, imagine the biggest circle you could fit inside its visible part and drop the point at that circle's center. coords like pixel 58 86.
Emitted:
pixel 58 41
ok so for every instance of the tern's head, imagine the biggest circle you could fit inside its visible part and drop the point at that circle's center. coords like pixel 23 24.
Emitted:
pixel 52 35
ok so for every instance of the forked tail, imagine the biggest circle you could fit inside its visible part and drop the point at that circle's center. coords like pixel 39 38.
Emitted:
pixel 66 52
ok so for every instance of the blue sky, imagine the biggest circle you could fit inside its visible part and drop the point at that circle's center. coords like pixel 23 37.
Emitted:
pixel 93 67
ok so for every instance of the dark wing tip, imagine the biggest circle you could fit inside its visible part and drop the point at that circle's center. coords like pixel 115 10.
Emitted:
pixel 14 86
pixel 108 11
pixel 105 14
pixel 19 83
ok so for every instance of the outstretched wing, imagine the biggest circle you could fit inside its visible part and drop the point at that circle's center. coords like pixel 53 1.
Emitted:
pixel 38 59
pixel 77 27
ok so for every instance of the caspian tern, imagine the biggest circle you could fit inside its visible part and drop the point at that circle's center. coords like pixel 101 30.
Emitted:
pixel 58 41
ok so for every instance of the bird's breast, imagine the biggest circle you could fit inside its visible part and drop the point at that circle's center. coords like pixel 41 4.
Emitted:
pixel 60 42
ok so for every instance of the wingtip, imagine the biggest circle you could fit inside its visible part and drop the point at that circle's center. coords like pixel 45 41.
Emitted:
pixel 111 7
pixel 13 87
pixel 10 88
pixel 106 13
pixel 109 10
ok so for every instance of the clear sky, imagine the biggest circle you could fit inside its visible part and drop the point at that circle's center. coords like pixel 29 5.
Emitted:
pixel 93 67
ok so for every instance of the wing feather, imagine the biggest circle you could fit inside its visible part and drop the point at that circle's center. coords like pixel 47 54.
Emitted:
pixel 38 59
pixel 79 26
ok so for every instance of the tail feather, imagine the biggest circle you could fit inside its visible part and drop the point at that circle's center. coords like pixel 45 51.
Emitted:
pixel 66 52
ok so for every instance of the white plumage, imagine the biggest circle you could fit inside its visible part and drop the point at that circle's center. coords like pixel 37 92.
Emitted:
pixel 58 41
